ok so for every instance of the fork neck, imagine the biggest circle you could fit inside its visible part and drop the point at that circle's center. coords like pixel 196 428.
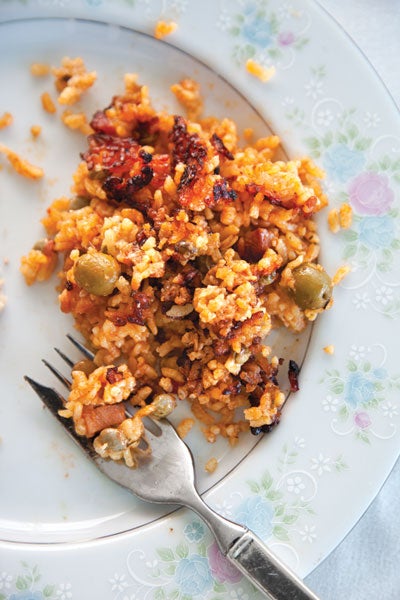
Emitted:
pixel 225 532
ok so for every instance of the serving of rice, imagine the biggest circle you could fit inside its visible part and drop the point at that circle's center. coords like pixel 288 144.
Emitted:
pixel 179 248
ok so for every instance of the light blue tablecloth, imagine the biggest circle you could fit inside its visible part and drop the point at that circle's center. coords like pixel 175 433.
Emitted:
pixel 366 565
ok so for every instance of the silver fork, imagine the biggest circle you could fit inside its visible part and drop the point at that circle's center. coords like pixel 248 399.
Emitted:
pixel 167 476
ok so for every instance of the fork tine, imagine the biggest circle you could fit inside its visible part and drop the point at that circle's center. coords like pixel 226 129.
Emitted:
pixel 52 399
pixel 65 358
pixel 57 373
pixel 80 347
pixel 54 402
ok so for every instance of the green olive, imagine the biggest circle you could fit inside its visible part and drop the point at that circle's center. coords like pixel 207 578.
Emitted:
pixel 312 286
pixel 79 202
pixel 85 365
pixel 97 273
pixel 40 244
pixel 204 263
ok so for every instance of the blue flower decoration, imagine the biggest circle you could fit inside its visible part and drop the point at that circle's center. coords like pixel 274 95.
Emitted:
pixel 193 576
pixel 376 232
pixel 257 513
pixel 256 29
pixel 380 373
pixel 343 163
pixel 194 531
pixel 358 390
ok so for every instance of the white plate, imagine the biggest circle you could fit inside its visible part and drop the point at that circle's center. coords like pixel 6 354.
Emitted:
pixel 300 488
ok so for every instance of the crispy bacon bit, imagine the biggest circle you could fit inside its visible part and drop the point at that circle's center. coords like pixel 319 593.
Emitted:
pixel 198 194
pixel 221 348
pixel 266 428
pixel 275 201
pixel 187 148
pixel 220 147
pixel 69 285
pixel 146 132
pixel 161 168
pixel 102 124
pixel 119 321
pixel 145 156
pixel 251 373
pixel 141 237
pixel 188 176
pixel 122 190
pixel 140 303
pixel 115 188
pixel 253 244
pixel 113 375
pixel 253 188
pixel 124 166
pixel 293 373
pixel 233 389
pixel 117 155
pixel 97 418
pixel 222 191
pixel 137 182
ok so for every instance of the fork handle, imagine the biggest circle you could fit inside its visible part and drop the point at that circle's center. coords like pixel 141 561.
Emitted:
pixel 251 556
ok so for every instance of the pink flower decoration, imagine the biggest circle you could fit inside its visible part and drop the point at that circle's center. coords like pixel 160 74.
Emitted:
pixel 370 194
pixel 286 38
pixel 221 569
pixel 362 420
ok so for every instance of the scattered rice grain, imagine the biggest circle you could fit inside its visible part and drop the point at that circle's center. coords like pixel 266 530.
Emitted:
pixel 21 165
pixel 40 69
pixel 35 130
pixel 3 298
pixel 211 465
pixel 333 220
pixel 345 216
pixel 76 121
pixel 72 80
pixel 184 427
pixel 48 103
pixel 264 74
pixel 330 349
pixel 340 274
pixel 6 120
pixel 164 28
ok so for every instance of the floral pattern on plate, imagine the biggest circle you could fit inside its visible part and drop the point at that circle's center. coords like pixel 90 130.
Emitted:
pixel 364 171
pixel 265 33
pixel 191 570
pixel 28 585
pixel 360 395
